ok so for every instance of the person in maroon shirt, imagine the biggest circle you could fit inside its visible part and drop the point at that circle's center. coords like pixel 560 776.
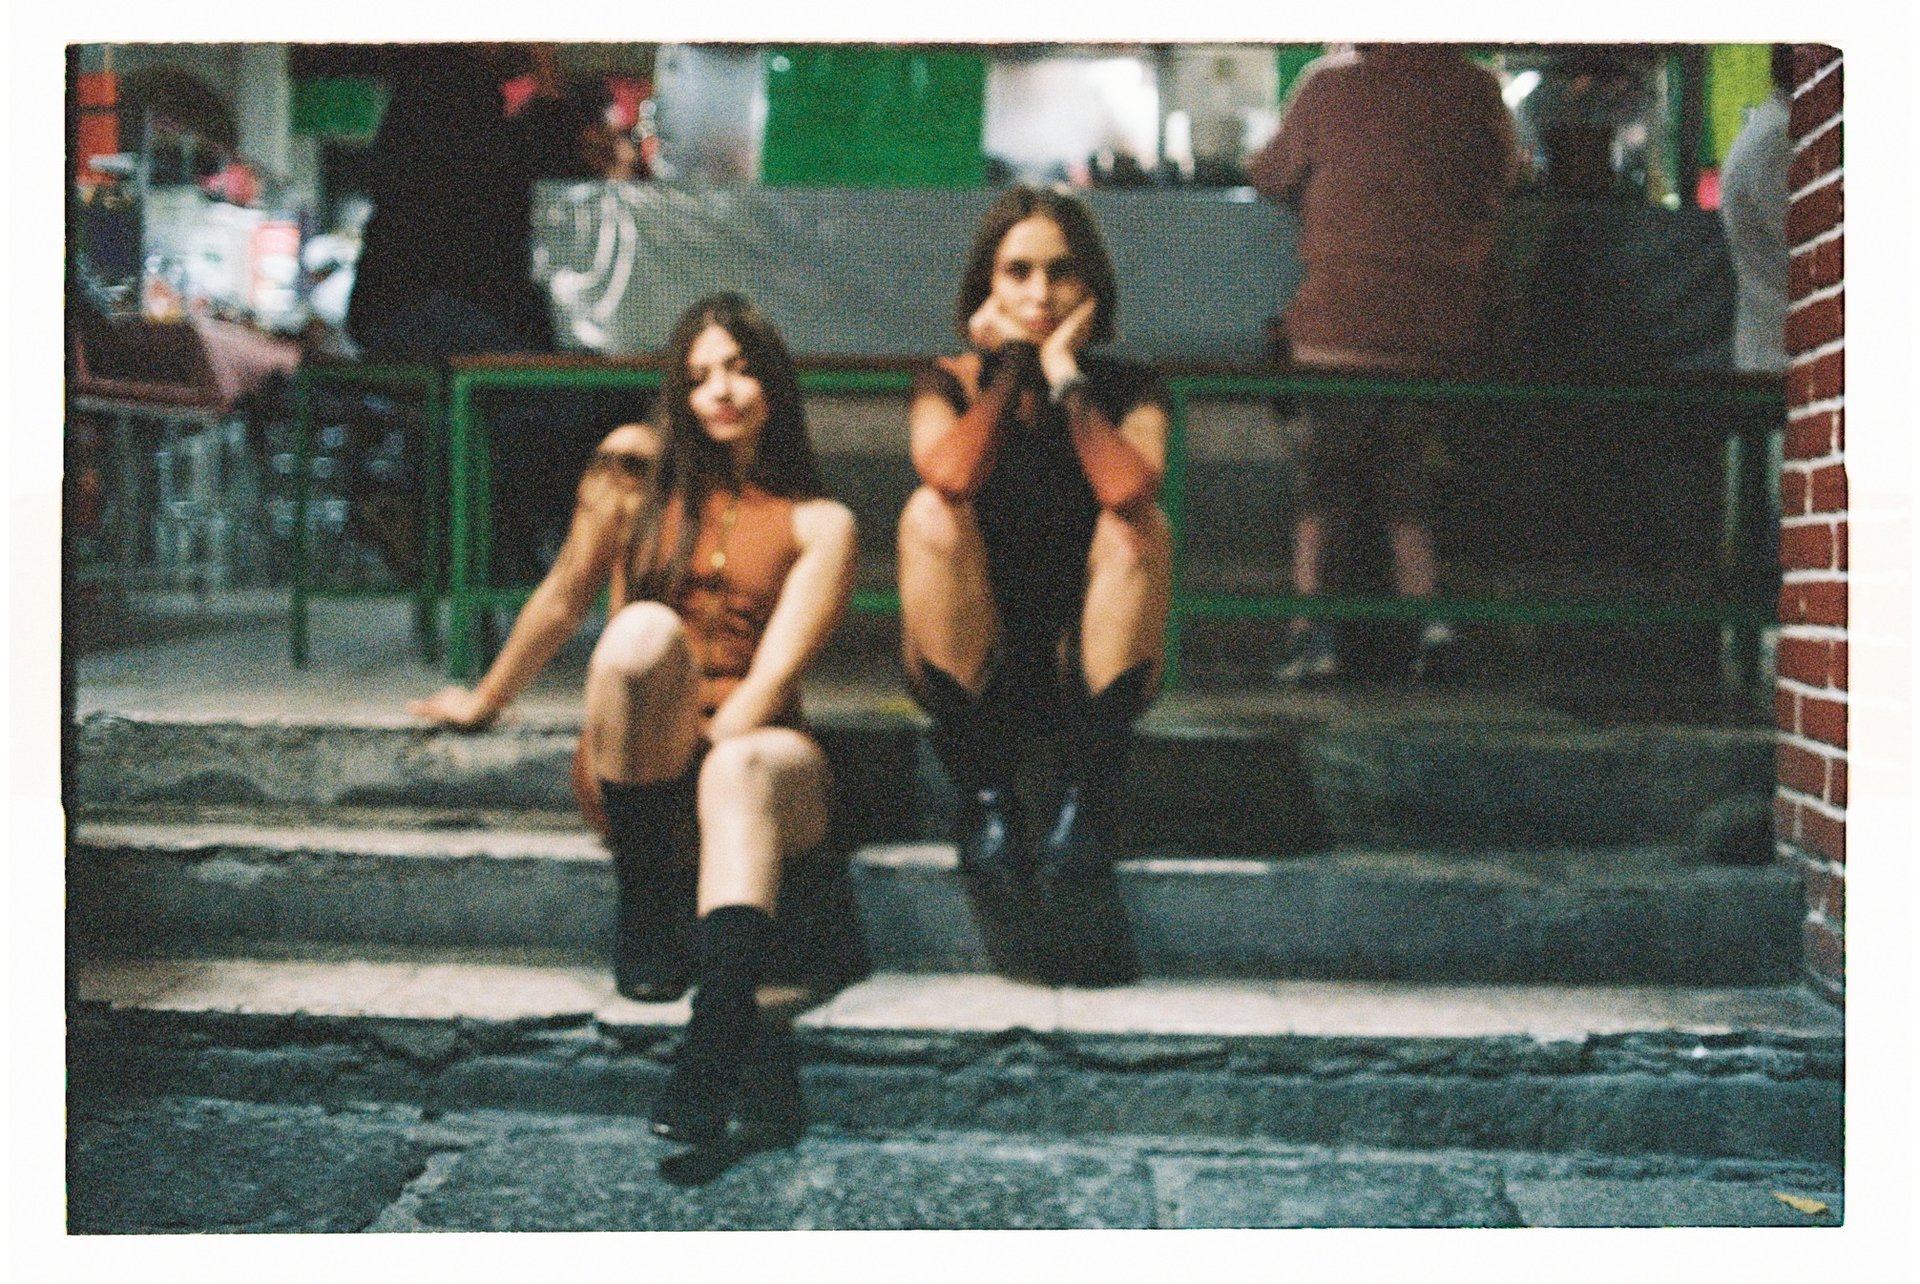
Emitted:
pixel 1397 158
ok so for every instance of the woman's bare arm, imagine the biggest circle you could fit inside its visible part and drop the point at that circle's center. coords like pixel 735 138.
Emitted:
pixel 1123 462
pixel 607 498
pixel 811 603
pixel 953 450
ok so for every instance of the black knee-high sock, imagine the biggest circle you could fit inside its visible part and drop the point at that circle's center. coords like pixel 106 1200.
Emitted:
pixel 656 882
pixel 735 947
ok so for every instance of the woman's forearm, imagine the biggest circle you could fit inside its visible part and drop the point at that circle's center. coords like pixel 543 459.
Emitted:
pixel 542 628
pixel 957 460
pixel 1122 478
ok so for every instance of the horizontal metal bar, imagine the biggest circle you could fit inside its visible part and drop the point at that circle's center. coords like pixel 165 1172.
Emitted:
pixel 536 377
pixel 1269 385
pixel 1471 611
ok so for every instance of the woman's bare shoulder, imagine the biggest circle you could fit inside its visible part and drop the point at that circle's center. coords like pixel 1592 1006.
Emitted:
pixel 632 439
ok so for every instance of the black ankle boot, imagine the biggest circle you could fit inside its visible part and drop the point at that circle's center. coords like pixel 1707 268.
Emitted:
pixel 732 1078
pixel 973 737
pixel 1082 842
pixel 1079 915
pixel 652 942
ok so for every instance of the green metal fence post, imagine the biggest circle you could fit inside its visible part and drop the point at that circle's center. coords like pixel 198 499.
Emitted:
pixel 461 650
pixel 302 464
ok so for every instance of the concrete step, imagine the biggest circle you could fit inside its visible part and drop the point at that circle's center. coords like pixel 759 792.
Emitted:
pixel 1740 1072
pixel 232 879
pixel 1460 773
pixel 1586 915
pixel 379 880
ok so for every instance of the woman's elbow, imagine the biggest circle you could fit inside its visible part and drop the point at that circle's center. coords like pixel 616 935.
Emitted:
pixel 1130 496
pixel 951 481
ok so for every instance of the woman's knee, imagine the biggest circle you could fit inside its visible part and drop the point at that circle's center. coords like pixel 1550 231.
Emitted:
pixel 756 770
pixel 641 638
pixel 935 524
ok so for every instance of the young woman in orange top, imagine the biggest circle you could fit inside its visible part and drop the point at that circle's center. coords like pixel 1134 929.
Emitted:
pixel 692 702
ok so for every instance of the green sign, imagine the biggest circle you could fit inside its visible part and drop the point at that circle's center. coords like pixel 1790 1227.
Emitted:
pixel 873 116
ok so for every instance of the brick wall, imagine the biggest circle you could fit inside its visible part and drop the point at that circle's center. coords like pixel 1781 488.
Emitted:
pixel 1810 700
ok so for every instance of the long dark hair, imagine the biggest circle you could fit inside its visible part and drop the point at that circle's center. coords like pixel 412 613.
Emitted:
pixel 693 465
pixel 1075 222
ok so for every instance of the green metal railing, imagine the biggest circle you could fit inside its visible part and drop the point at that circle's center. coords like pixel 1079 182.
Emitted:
pixel 428 381
pixel 1743 513
pixel 1742 528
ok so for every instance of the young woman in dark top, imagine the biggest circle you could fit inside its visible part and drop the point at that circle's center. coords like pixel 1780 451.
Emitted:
pixel 693 733
pixel 1035 567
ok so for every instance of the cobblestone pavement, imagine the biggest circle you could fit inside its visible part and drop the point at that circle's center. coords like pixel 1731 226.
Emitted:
pixel 183 1164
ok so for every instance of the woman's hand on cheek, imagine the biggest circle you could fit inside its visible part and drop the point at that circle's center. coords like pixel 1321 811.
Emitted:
pixel 989 327
pixel 1060 354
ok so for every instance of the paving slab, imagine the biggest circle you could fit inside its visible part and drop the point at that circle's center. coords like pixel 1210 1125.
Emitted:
pixel 1255 1193
pixel 178 1165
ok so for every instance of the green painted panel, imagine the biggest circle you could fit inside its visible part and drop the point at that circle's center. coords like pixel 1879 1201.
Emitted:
pixel 1291 60
pixel 1738 76
pixel 873 116
pixel 338 106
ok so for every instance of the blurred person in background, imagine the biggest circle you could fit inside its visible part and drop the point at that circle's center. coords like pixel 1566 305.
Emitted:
pixel 1397 159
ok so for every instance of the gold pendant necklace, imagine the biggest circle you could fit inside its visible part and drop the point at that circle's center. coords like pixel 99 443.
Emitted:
pixel 732 514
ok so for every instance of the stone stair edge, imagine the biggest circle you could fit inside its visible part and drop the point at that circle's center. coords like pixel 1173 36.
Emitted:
pixel 1698 1021
pixel 403 836
pixel 1547 729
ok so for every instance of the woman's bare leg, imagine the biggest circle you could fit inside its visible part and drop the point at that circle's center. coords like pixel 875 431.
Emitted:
pixel 763 798
pixel 643 713
pixel 1129 592
pixel 1413 563
pixel 947 618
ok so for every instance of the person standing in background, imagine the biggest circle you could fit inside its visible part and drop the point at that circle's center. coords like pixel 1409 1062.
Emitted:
pixel 1397 159
pixel 1753 213
pixel 445 262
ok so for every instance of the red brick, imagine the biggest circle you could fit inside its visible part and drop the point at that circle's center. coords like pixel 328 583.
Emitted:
pixel 1813 324
pixel 1809 59
pixel 1824 720
pixel 1840 544
pixel 1821 210
pixel 1825 951
pixel 1840 430
pixel 1812 437
pixel 1793 492
pixel 1829 489
pixel 1823 835
pixel 1837 781
pixel 1817 380
pixel 1816 269
pixel 1813 105
pixel 1822 156
pixel 1814 602
pixel 1801 770
pixel 1786 712
pixel 1804 660
pixel 1838 660
pixel 1807 548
